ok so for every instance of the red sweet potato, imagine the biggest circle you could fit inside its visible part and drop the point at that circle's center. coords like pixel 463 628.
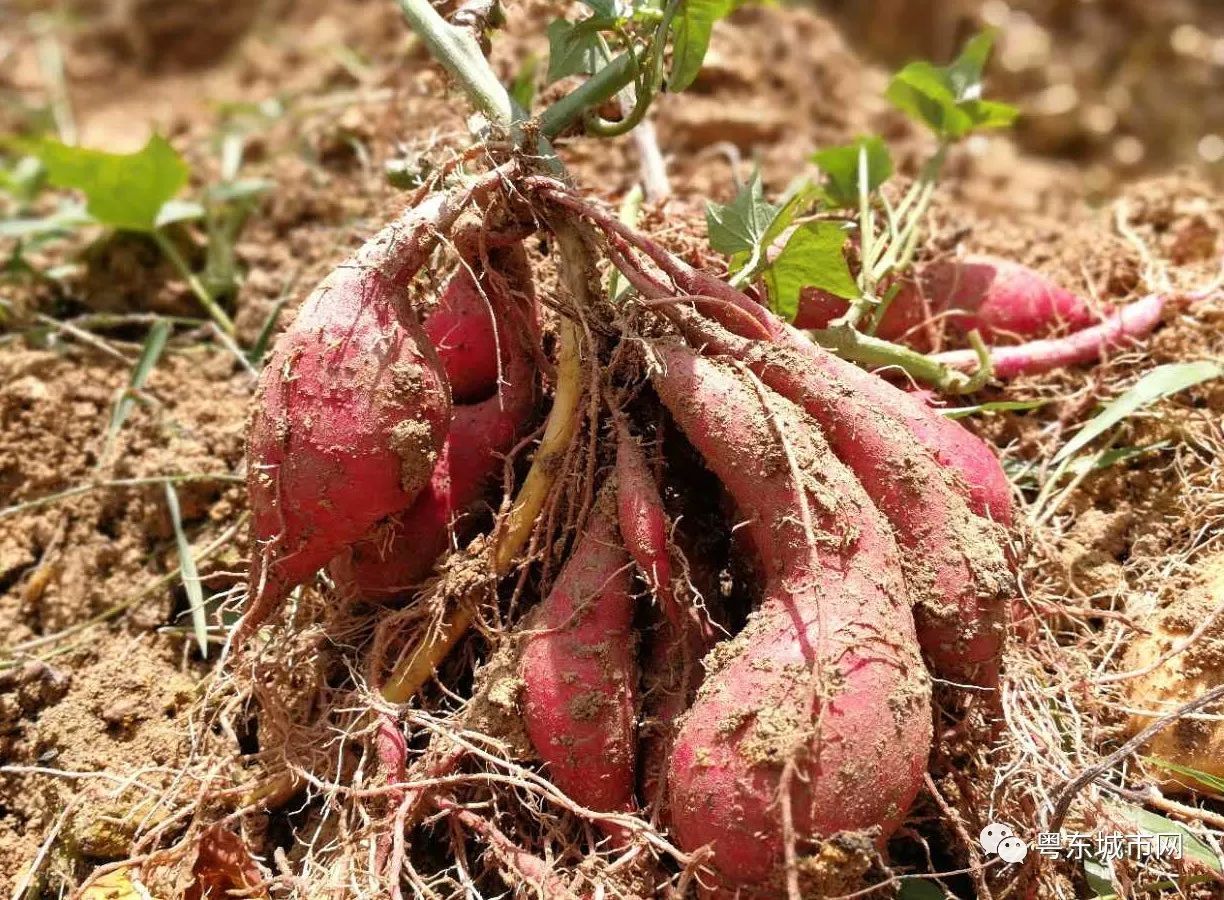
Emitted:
pixel 1117 331
pixel 402 549
pixel 1001 299
pixel 966 462
pixel 822 700
pixel 579 670
pixel 956 572
pixel 463 332
pixel 684 635
pixel 350 415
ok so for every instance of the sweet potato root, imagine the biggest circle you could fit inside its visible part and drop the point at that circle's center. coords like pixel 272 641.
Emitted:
pixel 1118 331
pixel 818 713
pixel 350 416
pixel 402 549
pixel 971 467
pixel 579 670
pixel 958 579
pixel 1003 300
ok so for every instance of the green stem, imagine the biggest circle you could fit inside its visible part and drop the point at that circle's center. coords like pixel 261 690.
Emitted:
pixel 866 280
pixel 459 53
pixel 224 322
pixel 849 343
pixel 603 85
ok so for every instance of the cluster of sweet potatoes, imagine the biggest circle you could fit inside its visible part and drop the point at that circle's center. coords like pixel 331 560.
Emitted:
pixel 873 527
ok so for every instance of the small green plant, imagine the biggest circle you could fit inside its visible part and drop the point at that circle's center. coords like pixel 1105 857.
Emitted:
pixel 849 205
pixel 138 193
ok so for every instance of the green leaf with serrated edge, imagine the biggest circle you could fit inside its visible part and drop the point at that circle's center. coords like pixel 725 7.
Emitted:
pixel 1207 780
pixel 799 194
pixel 188 572
pixel 741 224
pixel 812 257
pixel 1157 384
pixel 122 190
pixel 572 50
pixel 959 412
pixel 948 99
pixel 1153 823
pixel 841 168
pixel 691 30
pixel 919 889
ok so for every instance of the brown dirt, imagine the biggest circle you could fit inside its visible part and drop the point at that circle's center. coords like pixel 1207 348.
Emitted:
pixel 95 725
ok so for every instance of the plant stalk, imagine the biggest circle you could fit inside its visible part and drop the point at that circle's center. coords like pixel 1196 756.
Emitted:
pixel 202 293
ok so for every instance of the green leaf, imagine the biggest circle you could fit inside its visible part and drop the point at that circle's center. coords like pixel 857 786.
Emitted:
pixel 64 221
pixel 1211 782
pixel 959 412
pixel 920 889
pixel 1099 877
pixel 841 167
pixel 630 210
pixel 1111 457
pixel 188 572
pixel 691 30
pixel 124 191
pixel 603 9
pixel 1152 823
pixel 523 88
pixel 1155 385
pixel 572 50
pixel 948 99
pixel 812 257
pixel 965 74
pixel 23 180
pixel 154 344
pixel 239 190
pixel 174 211
pixel 741 224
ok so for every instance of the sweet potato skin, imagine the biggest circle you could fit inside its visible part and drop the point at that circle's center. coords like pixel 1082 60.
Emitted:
pixel 579 671
pixel 1117 331
pixel 463 331
pixel 402 549
pixel 350 416
pixel 956 573
pixel 1001 299
pixel 826 674
pixel 967 464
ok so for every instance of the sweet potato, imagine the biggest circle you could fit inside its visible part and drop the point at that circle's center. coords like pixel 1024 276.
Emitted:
pixel 684 635
pixel 579 671
pixel 1002 299
pixel 402 549
pixel 956 572
pixel 967 463
pixel 821 706
pixel 1119 330
pixel 350 415
pixel 463 332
